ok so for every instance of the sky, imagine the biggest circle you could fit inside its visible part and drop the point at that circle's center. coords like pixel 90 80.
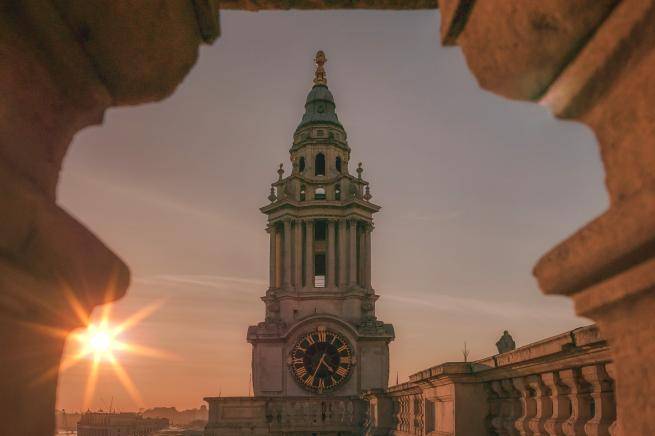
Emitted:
pixel 474 189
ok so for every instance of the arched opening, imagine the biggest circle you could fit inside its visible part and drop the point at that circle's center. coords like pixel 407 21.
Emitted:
pixel 319 194
pixel 337 192
pixel 338 163
pixel 302 193
pixel 301 164
pixel 319 165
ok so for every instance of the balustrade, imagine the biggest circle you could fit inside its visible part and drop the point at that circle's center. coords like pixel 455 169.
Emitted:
pixel 562 386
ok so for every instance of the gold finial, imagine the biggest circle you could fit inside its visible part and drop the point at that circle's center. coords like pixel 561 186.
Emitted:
pixel 320 59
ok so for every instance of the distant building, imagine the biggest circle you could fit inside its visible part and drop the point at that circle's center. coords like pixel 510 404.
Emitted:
pixel 118 424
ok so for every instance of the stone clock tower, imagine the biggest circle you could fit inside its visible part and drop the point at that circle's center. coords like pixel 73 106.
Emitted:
pixel 320 336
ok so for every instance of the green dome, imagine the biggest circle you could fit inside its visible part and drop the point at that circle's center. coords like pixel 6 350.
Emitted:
pixel 319 108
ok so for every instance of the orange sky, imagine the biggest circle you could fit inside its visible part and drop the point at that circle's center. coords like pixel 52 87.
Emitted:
pixel 474 189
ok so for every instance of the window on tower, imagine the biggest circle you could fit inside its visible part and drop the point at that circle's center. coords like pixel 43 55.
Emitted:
pixel 319 270
pixel 319 165
pixel 337 192
pixel 338 164
pixel 320 230
pixel 319 194
pixel 301 164
pixel 302 193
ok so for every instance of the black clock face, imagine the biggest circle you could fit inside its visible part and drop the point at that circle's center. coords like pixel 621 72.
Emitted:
pixel 321 360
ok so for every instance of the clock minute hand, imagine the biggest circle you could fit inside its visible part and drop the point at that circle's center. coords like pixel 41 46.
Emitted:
pixel 319 365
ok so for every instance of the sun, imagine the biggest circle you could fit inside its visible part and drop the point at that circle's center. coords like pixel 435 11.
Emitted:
pixel 100 343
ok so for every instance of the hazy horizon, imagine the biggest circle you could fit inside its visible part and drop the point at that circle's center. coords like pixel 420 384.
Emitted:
pixel 474 189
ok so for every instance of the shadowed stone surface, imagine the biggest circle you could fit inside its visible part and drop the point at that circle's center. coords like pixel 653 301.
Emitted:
pixel 63 64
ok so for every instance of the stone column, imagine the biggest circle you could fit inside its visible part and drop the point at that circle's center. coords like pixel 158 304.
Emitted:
pixel 278 257
pixel 343 254
pixel 352 239
pixel 297 254
pixel 309 254
pixel 286 277
pixel 367 256
pixel 603 396
pixel 272 273
pixel 361 261
pixel 331 264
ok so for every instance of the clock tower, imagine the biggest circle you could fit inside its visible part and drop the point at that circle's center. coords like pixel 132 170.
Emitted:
pixel 320 336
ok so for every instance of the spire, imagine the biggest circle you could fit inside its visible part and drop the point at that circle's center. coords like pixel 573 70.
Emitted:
pixel 319 77
pixel 320 107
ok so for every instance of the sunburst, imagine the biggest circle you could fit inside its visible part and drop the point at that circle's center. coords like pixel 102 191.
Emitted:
pixel 100 343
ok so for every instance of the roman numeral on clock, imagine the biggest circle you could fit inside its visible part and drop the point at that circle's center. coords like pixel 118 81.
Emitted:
pixel 299 360
pixel 309 380
pixel 321 383
pixel 310 339
pixel 344 359
pixel 342 371
pixel 322 336
pixel 301 371
pixel 342 348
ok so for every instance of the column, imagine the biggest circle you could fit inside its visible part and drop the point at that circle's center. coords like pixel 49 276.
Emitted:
pixel 528 405
pixel 343 254
pixel 309 254
pixel 362 257
pixel 286 277
pixel 298 254
pixel 367 256
pixel 352 239
pixel 272 264
pixel 331 265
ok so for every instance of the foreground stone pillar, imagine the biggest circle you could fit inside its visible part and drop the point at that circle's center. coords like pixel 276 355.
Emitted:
pixel 590 61
pixel 63 64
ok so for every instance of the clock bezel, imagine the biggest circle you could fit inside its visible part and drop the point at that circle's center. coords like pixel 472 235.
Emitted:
pixel 342 382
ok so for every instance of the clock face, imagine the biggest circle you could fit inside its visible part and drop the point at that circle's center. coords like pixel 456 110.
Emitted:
pixel 321 360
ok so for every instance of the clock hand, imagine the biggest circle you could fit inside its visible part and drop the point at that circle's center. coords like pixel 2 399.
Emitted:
pixel 319 365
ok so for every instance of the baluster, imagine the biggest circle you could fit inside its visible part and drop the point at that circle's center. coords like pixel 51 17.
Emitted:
pixel 544 405
pixel 514 407
pixel 614 429
pixel 504 406
pixel 580 402
pixel 492 420
pixel 560 401
pixel 528 404
pixel 602 392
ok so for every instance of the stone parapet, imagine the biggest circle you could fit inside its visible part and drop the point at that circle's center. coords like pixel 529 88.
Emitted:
pixel 558 386
pixel 288 415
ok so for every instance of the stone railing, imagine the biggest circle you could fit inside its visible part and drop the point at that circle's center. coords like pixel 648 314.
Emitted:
pixel 297 415
pixel 561 386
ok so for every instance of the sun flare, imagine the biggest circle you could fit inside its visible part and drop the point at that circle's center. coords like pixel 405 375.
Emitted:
pixel 100 343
